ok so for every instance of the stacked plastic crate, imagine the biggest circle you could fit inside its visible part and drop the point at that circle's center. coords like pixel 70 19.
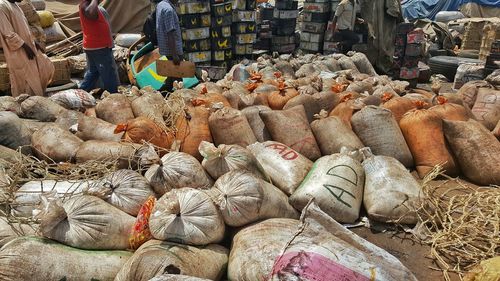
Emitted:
pixel 244 28
pixel 195 19
pixel 408 51
pixel 314 21
pixel 264 21
pixel 222 43
pixel 284 25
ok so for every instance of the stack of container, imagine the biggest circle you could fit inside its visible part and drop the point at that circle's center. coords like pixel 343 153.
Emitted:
pixel 284 26
pixel 264 32
pixel 195 20
pixel 409 49
pixel 330 46
pixel 244 28
pixel 222 43
pixel 315 19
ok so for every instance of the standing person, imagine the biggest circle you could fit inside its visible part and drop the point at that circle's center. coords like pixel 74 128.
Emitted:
pixel 343 23
pixel 169 37
pixel 30 70
pixel 98 46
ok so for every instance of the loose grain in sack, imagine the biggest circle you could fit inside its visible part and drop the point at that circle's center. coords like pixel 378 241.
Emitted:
pixel 177 170
pixel 286 167
pixel 186 216
pixel 377 129
pixel 92 128
pixel 423 131
pixel 476 149
pixel 291 128
pixel 86 222
pixel 391 193
pixel 14 133
pixel 336 183
pixel 252 113
pixel 115 109
pixel 230 126
pixel 143 129
pixel 121 153
pixel 243 198
pixel 127 190
pixel 40 259
pixel 332 134
pixel 52 143
pixel 155 258
pixel 41 109
pixel 220 160
pixel 192 128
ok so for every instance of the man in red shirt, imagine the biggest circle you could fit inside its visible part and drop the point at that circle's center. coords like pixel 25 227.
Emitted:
pixel 98 46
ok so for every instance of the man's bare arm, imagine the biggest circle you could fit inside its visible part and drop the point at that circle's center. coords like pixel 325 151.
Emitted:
pixel 90 9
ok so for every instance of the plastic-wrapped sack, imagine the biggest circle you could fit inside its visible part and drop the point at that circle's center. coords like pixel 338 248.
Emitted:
pixel 92 150
pixel 423 131
pixel 468 72
pixel 225 158
pixel 391 193
pixel 155 258
pixel 336 183
pixel 315 248
pixel 115 109
pixel 141 233
pixel 243 198
pixel 13 132
pixel 41 109
pixel 230 126
pixel 177 170
pixel 290 127
pixel 286 167
pixel 127 190
pixel 187 216
pixel 75 99
pixel 29 196
pixel 91 128
pixel 11 230
pixel 150 105
pixel 377 129
pixel 52 143
pixel 258 127
pixel 86 222
pixel 8 103
pixel 487 107
pixel 49 260
pixel 332 134
pixel 476 149
pixel 143 129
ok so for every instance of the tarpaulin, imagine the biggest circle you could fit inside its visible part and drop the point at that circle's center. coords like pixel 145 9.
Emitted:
pixel 418 9
pixel 126 16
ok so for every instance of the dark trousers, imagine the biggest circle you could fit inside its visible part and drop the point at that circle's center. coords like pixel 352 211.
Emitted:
pixel 100 64
pixel 168 85
pixel 347 38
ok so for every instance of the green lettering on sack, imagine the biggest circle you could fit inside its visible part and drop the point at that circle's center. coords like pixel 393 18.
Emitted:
pixel 339 196
pixel 354 180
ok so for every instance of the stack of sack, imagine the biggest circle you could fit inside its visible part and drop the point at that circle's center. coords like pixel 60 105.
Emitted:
pixel 247 178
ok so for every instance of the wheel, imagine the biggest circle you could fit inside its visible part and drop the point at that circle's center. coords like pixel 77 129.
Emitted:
pixel 447 65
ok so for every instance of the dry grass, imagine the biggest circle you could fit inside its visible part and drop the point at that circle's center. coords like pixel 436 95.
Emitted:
pixel 460 224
